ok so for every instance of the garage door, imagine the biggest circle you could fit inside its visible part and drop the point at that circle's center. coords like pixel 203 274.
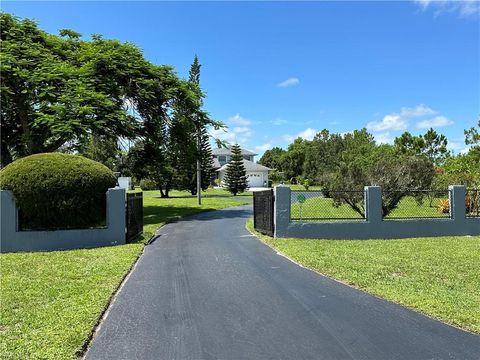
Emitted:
pixel 255 180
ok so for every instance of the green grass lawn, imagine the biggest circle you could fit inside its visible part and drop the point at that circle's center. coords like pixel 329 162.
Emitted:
pixel 158 211
pixel 436 276
pixel 408 207
pixel 320 207
pixel 51 301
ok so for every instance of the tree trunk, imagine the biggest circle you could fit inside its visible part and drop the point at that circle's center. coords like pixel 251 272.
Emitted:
pixel 23 117
pixel 6 157
pixel 162 194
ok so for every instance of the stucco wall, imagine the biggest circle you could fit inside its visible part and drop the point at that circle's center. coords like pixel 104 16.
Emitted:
pixel 12 240
pixel 374 226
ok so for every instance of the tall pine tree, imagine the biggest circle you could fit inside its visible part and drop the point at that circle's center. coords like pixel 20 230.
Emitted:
pixel 206 158
pixel 236 176
pixel 194 78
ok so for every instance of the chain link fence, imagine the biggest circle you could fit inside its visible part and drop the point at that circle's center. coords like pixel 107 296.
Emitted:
pixel 416 204
pixel 472 203
pixel 326 205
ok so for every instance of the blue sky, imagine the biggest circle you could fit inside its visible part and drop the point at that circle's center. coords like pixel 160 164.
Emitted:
pixel 276 70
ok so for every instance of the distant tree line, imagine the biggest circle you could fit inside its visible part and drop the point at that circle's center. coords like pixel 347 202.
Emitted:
pixel 102 99
pixel 342 162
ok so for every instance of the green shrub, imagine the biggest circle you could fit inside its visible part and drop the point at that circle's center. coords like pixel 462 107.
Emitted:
pixel 56 190
pixel 147 184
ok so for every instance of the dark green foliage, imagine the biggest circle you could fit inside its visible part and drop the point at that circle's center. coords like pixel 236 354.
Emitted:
pixel 341 163
pixel 58 92
pixel 63 93
pixel 472 136
pixel 49 97
pixel 194 73
pixel 56 190
pixel 293 160
pixel 430 144
pixel 166 152
pixel 206 159
pixel 147 185
pixel 396 175
pixel 103 149
pixel 235 176
pixel 273 158
pixel 463 169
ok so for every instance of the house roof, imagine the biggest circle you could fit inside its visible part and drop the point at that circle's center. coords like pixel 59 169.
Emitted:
pixel 228 151
pixel 249 166
pixel 216 163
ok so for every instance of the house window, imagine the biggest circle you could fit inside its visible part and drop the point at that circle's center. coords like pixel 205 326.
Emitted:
pixel 222 159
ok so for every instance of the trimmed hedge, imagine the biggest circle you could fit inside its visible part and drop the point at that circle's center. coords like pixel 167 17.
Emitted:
pixel 58 191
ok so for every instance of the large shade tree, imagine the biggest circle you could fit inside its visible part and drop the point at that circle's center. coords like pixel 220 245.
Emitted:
pixel 62 93
pixel 58 92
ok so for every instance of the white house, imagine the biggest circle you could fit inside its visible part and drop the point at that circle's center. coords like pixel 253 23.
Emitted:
pixel 257 175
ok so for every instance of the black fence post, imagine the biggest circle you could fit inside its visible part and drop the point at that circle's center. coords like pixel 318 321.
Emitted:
pixel 263 208
pixel 134 216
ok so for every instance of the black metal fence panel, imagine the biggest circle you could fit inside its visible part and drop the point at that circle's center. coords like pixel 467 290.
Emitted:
pixel 134 216
pixel 311 205
pixel 416 204
pixel 472 203
pixel 263 202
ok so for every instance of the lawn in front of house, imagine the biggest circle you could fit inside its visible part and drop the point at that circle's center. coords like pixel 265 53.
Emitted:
pixel 437 276
pixel 51 301
pixel 157 211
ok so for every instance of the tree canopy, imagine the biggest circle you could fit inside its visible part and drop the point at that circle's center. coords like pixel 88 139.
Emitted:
pixel 431 144
pixel 340 163
pixel 63 93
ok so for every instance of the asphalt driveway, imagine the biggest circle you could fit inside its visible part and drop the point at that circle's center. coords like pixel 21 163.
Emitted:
pixel 207 289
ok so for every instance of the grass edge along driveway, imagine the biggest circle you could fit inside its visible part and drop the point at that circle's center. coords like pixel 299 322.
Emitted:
pixel 438 277
pixel 51 301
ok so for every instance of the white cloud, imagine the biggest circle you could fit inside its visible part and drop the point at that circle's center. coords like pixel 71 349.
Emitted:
pixel 419 110
pixel 464 8
pixel 237 134
pixel 288 138
pixel 399 121
pixel 289 82
pixel 242 130
pixel 437 121
pixel 263 147
pixel 279 122
pixel 237 119
pixel 455 146
pixel 307 134
pixel 223 134
pixel 390 122
pixel 384 138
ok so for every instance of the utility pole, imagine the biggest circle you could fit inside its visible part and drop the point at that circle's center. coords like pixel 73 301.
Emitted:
pixel 199 167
